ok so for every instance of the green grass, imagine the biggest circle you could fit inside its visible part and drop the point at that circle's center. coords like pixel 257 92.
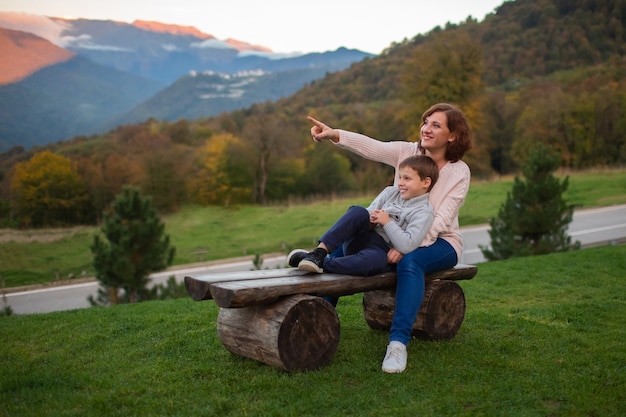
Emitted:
pixel 210 233
pixel 542 336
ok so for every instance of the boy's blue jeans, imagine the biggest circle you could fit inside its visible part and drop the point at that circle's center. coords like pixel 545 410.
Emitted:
pixel 355 247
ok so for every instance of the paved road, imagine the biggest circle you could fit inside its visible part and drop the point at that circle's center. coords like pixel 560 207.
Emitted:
pixel 591 227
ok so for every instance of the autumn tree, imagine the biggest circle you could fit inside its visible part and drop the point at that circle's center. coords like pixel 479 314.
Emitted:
pixel 134 245
pixel 165 174
pixel 268 142
pixel 284 179
pixel 48 191
pixel 611 123
pixel 99 192
pixel 223 177
pixel 105 173
pixel 500 114
pixel 446 68
pixel 179 131
pixel 534 218
pixel 327 171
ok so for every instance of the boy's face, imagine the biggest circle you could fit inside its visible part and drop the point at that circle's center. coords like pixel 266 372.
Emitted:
pixel 410 183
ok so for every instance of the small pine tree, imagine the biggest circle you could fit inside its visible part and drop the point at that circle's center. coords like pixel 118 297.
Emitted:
pixel 135 246
pixel 534 218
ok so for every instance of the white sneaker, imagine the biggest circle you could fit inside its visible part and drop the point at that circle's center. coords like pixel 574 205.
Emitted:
pixel 395 358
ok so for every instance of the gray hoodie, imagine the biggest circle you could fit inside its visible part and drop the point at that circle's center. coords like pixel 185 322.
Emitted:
pixel 410 219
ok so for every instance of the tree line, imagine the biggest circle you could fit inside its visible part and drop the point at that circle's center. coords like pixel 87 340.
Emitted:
pixel 518 93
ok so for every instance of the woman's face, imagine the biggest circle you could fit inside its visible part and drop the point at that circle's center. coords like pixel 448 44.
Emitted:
pixel 435 133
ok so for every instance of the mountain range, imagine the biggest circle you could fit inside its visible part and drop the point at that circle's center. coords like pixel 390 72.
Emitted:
pixel 62 78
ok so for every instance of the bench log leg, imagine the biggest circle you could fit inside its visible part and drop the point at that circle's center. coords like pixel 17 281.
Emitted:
pixel 440 315
pixel 296 333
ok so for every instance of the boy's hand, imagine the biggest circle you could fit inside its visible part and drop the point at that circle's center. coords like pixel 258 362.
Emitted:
pixel 379 217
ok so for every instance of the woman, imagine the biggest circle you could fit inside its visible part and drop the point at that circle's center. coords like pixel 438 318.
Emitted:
pixel 445 136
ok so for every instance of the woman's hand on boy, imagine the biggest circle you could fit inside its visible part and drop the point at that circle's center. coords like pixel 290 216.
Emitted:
pixel 394 256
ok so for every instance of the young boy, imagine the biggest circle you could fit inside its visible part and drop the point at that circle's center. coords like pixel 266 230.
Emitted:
pixel 399 217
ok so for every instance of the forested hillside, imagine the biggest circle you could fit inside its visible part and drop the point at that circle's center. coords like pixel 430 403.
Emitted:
pixel 551 71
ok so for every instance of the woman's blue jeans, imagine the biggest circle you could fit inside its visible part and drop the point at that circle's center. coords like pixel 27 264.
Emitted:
pixel 410 273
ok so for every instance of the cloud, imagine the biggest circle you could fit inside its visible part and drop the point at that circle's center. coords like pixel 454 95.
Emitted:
pixel 95 47
pixel 170 47
pixel 211 43
pixel 270 55
pixel 41 26
pixel 84 42
pixel 52 30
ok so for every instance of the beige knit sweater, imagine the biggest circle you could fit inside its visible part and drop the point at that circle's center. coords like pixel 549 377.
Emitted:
pixel 446 197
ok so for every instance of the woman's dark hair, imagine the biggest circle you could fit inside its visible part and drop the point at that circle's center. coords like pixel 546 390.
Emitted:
pixel 458 126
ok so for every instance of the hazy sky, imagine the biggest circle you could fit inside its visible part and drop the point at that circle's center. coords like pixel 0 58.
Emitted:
pixel 281 25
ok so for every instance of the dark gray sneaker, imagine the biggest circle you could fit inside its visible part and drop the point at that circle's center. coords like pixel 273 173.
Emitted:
pixel 314 261
pixel 295 256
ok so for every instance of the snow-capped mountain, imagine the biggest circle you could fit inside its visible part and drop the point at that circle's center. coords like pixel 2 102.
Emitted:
pixel 80 76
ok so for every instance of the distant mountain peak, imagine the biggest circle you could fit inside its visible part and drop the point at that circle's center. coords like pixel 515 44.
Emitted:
pixel 172 29
pixel 26 54
pixel 180 30
pixel 245 46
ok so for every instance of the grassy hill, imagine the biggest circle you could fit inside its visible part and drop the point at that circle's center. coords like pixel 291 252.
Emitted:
pixel 42 256
pixel 542 336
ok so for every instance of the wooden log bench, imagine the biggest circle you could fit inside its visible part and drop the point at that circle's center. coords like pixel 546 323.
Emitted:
pixel 279 318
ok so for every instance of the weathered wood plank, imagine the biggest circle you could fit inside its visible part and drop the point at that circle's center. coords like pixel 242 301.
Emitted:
pixel 287 281
pixel 198 286
pixel 235 294
pixel 459 273
pixel 241 293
